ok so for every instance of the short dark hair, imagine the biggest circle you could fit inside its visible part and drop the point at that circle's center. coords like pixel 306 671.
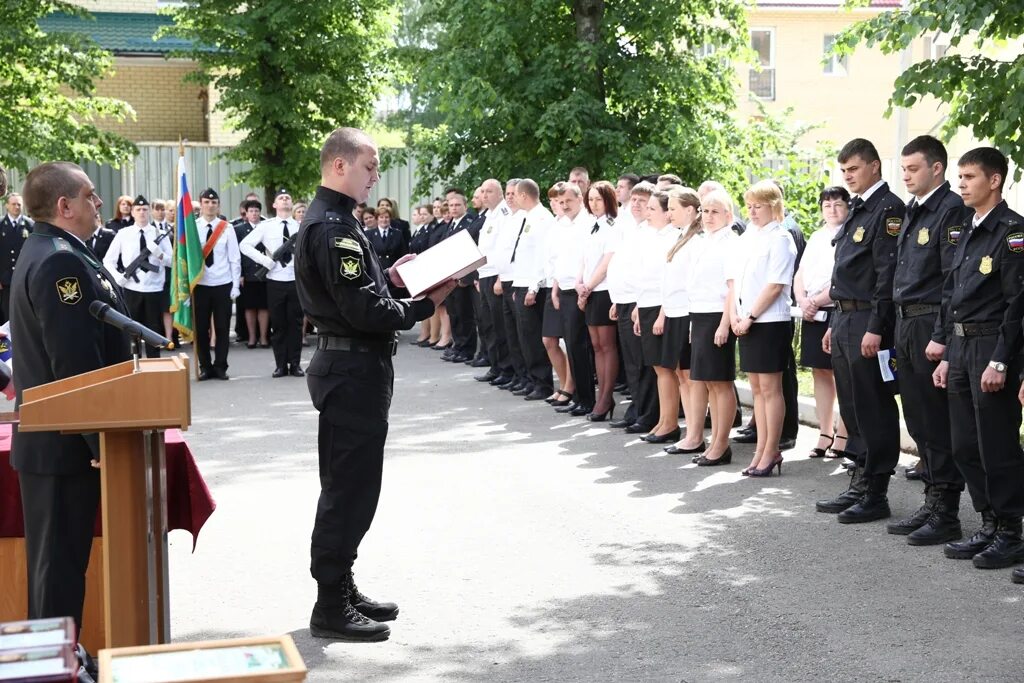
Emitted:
pixel 46 184
pixel 990 160
pixel 833 192
pixel 631 178
pixel 250 203
pixel 456 190
pixel 932 149
pixel 651 178
pixel 528 187
pixel 346 143
pixel 670 178
pixel 858 147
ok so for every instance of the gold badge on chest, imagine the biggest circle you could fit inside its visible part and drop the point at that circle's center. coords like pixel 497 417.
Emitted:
pixel 922 236
pixel 858 235
pixel 986 265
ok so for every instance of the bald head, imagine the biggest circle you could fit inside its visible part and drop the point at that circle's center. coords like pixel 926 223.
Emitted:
pixel 491 193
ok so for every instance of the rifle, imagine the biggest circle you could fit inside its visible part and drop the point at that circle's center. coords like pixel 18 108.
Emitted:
pixel 284 251
pixel 141 262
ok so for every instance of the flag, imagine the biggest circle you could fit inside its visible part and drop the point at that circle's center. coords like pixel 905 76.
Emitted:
pixel 188 258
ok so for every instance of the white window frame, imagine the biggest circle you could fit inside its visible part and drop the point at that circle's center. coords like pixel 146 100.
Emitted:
pixel 770 67
pixel 835 67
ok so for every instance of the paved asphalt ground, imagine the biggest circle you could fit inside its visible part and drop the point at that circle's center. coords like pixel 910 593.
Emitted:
pixel 523 546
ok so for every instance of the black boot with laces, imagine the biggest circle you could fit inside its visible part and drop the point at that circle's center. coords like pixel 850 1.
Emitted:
pixel 334 617
pixel 378 611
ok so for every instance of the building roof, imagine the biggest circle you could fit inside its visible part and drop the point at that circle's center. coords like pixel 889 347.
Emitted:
pixel 120 32
pixel 825 4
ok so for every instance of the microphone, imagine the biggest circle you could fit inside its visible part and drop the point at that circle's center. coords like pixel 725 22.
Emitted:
pixel 104 313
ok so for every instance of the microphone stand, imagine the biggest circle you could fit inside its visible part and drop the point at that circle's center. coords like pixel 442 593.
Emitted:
pixel 134 340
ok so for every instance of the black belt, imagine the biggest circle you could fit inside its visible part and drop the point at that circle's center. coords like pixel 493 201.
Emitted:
pixel 975 329
pixel 326 343
pixel 914 310
pixel 848 305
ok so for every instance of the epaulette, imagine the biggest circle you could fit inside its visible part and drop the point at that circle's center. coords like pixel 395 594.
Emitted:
pixel 60 244
pixel 610 220
pixel 504 211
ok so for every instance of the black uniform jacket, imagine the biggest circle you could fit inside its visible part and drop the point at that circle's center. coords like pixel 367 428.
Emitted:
pixel 54 336
pixel 342 287
pixel 12 237
pixel 388 250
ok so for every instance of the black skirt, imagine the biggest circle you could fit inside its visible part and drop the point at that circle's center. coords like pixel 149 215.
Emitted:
pixel 708 362
pixel 650 343
pixel 811 334
pixel 253 296
pixel 675 344
pixel 551 326
pixel 597 309
pixel 766 347
pixel 167 290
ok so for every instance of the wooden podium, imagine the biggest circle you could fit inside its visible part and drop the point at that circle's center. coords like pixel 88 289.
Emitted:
pixel 129 404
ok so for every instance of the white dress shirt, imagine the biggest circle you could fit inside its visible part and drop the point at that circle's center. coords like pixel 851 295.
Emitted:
pixel 567 247
pixel 227 260
pixel 126 246
pixel 706 286
pixel 596 245
pixel 270 233
pixel 766 257
pixel 529 253
pixel 505 244
pixel 490 231
pixel 818 261
pixel 621 287
pixel 675 299
pixel 871 190
pixel 653 246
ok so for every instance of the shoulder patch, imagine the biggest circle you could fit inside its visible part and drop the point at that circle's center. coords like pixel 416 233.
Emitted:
pixel 893 225
pixel 1015 242
pixel 351 267
pixel 347 243
pixel 953 234
pixel 69 291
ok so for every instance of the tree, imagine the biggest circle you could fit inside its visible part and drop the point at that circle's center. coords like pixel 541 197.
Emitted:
pixel 47 86
pixel 535 87
pixel 980 85
pixel 289 73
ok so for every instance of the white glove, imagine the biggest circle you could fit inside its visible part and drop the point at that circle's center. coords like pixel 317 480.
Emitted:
pixel 120 279
pixel 235 291
pixel 269 263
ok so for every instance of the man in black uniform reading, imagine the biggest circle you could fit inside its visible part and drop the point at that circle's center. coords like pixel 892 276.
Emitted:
pixel 344 293
pixel 56 279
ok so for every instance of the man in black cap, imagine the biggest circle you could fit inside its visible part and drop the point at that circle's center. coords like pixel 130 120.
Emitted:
pixel 144 288
pixel 217 287
pixel 282 297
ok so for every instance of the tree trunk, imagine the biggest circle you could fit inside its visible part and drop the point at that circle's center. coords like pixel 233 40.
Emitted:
pixel 588 15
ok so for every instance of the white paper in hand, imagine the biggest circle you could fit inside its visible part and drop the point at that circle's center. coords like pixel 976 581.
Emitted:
pixel 454 257
pixel 887 364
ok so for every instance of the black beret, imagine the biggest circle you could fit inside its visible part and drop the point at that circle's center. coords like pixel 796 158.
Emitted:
pixel 210 193
pixel 141 201
pixel 281 192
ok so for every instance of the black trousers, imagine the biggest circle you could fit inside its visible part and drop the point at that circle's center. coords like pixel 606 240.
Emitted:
pixel 496 342
pixel 215 301
pixel 463 316
pixel 867 404
pixel 5 304
pixel 790 388
pixel 515 349
pixel 985 428
pixel 531 323
pixel 352 391
pixel 241 326
pixel 60 515
pixel 286 322
pixel 484 327
pixel 578 348
pixel 925 407
pixel 148 309
pixel 644 408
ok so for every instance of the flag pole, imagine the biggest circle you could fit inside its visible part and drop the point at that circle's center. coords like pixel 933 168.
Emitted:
pixel 181 155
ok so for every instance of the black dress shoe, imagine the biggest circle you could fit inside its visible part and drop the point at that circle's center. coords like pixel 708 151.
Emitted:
pixel 424 344
pixel 914 473
pixel 296 371
pixel 486 378
pixel 566 408
pixel 580 411
pixel 479 363
pixel 526 390
pixel 786 444
pixel 537 395
pixel 220 374
pixel 637 428
pixel 747 437
pixel 502 380
pixel 345 622
pixel 675 450
pixel 418 342
pixel 279 372
pixel 619 424
pixel 204 375
pixel 460 358
pixel 724 459
pixel 663 438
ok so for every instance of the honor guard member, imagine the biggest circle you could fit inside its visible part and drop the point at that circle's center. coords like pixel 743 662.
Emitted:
pixel 14 230
pixel 495 218
pixel 863 325
pixel 282 297
pixel 982 317
pixel 504 249
pixel 217 287
pixel 925 259
pixel 57 278
pixel 143 289
pixel 344 292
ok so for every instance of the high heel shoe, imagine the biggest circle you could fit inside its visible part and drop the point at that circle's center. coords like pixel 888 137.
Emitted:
pixel 559 402
pixel 834 453
pixel 820 452
pixel 724 459
pixel 663 438
pixel 767 471
pixel 601 417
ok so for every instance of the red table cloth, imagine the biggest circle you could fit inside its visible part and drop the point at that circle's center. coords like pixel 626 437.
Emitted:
pixel 189 503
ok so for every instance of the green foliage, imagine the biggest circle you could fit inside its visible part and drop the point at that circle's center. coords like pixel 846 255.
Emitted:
pixel 535 87
pixel 290 73
pixel 982 90
pixel 47 89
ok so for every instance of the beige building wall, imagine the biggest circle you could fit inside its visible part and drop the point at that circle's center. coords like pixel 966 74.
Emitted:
pixel 166 107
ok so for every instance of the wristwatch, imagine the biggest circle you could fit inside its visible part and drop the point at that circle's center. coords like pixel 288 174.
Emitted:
pixel 752 317
pixel 997 366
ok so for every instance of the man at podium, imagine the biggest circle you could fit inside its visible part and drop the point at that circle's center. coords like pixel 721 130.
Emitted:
pixel 56 279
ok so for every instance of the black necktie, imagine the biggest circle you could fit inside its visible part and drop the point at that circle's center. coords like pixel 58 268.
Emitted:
pixel 597 226
pixel 209 234
pixel 517 241
pixel 142 241
pixel 856 203
pixel 287 258
pixel 285 232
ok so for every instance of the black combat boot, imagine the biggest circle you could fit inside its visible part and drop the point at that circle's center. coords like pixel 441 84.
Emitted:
pixel 874 504
pixel 857 488
pixel 943 524
pixel 965 550
pixel 335 617
pixel 1018 575
pixel 919 518
pixel 378 611
pixel 1006 550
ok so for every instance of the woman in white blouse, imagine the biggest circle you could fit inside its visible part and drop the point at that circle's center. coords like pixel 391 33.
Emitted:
pixel 762 279
pixel 811 287
pixel 655 242
pixel 713 345
pixel 592 288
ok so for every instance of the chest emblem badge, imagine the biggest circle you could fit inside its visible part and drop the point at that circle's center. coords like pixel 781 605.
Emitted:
pixel 986 265
pixel 922 236
pixel 858 235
